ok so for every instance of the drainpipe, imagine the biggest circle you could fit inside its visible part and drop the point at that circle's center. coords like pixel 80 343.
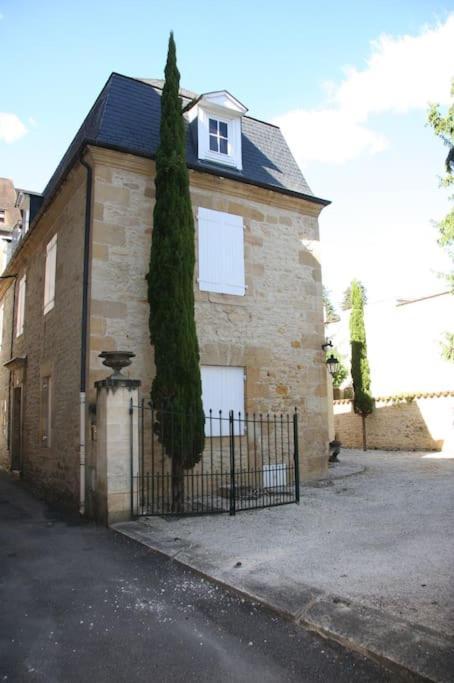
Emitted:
pixel 84 333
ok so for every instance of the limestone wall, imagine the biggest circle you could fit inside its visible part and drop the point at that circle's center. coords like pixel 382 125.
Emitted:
pixel 5 355
pixel 275 331
pixel 424 423
pixel 51 345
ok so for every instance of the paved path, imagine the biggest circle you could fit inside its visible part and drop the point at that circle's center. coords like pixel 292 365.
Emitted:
pixel 79 602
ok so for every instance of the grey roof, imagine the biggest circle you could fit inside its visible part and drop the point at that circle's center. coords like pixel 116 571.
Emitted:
pixel 126 116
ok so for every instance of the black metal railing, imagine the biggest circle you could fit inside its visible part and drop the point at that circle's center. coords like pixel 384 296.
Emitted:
pixel 249 461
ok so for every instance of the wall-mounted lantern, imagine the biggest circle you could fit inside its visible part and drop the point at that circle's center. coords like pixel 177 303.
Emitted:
pixel 333 365
pixel 332 362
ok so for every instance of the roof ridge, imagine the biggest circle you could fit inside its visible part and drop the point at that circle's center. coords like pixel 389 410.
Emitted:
pixel 188 96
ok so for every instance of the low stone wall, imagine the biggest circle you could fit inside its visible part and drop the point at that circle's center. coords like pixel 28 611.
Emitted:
pixel 419 422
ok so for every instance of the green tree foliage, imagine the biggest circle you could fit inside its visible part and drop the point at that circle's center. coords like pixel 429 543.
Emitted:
pixel 331 315
pixel 177 385
pixel 447 347
pixel 362 400
pixel 347 300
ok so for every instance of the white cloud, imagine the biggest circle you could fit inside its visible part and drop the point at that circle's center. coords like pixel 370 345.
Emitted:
pixel 329 136
pixel 401 74
pixel 11 127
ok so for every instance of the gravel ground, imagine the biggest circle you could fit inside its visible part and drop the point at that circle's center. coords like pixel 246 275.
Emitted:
pixel 383 537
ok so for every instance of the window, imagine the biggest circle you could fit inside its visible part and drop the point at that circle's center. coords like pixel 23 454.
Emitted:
pixel 221 252
pixel 219 136
pixel 2 216
pixel 222 389
pixel 218 117
pixel 1 325
pixel 46 401
pixel 20 307
pixel 49 281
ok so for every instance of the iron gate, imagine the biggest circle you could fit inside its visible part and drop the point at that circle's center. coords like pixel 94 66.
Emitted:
pixel 249 461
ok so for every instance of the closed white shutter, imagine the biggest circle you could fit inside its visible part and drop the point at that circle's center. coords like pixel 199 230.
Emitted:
pixel 49 282
pixel 221 252
pixel 222 390
pixel 20 307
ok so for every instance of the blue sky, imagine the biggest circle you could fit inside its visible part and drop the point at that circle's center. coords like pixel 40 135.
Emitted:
pixel 351 103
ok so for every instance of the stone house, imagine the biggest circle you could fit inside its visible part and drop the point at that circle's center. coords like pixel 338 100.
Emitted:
pixel 76 282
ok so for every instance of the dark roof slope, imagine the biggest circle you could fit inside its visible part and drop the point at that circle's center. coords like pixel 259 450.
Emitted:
pixel 126 117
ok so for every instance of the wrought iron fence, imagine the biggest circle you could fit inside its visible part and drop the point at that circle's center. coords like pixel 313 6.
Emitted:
pixel 249 461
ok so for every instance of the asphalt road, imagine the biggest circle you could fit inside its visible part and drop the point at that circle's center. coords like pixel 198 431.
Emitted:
pixel 80 603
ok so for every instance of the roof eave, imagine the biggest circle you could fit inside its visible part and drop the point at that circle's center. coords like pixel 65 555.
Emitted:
pixel 117 148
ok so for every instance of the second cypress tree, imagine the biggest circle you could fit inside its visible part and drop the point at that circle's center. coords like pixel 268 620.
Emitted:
pixel 362 400
pixel 176 390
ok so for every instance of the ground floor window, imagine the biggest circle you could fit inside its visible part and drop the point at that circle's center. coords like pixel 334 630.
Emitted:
pixel 222 390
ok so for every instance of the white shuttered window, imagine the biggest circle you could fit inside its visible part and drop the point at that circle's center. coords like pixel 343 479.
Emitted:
pixel 49 281
pixel 222 389
pixel 221 252
pixel 20 306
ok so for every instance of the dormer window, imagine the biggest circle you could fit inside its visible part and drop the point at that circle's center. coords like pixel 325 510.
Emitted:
pixel 219 136
pixel 219 117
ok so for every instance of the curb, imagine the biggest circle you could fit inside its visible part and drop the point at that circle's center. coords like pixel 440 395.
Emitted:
pixel 413 651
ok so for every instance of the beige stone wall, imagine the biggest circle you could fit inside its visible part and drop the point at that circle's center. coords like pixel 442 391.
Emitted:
pixel 5 355
pixel 425 423
pixel 275 331
pixel 51 344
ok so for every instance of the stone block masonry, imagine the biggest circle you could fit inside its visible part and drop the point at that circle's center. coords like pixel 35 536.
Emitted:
pixel 50 345
pixel 425 422
pixel 275 331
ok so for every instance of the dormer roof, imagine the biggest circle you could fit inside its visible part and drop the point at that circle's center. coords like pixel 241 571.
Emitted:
pixel 218 99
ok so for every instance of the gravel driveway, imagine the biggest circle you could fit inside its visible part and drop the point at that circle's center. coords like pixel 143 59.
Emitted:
pixel 383 538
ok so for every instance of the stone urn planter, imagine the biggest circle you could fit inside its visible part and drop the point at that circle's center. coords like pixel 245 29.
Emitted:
pixel 117 360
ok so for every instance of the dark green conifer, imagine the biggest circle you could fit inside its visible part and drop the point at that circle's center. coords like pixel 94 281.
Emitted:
pixel 362 400
pixel 177 386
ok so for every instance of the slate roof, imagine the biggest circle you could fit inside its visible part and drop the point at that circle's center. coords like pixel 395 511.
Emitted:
pixel 126 117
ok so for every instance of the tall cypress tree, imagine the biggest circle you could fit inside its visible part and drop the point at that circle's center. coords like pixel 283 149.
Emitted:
pixel 176 390
pixel 362 399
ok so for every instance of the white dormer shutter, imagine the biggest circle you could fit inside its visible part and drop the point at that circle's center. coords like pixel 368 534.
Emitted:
pixel 221 252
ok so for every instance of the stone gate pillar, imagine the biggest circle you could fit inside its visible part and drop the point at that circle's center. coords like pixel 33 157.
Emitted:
pixel 117 447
